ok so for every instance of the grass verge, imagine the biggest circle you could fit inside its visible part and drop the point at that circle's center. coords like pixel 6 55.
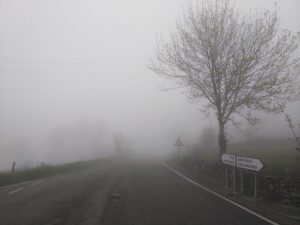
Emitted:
pixel 44 170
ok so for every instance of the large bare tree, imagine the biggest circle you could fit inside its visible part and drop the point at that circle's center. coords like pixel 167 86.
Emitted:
pixel 239 62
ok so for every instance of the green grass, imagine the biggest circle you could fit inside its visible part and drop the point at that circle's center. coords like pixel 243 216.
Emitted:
pixel 44 170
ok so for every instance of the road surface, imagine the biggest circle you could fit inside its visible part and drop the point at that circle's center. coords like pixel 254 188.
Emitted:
pixel 135 192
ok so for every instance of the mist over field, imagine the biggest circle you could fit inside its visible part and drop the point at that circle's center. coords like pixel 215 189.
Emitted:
pixel 74 83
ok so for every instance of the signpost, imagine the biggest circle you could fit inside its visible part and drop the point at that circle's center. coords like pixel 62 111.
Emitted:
pixel 249 164
pixel 228 160
pixel 243 163
pixel 178 143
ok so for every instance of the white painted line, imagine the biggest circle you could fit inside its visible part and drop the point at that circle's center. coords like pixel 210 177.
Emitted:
pixel 222 197
pixel 29 181
pixel 36 183
pixel 12 185
pixel 14 191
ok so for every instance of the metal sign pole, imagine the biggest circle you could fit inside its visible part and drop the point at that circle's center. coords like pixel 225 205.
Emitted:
pixel 233 182
pixel 242 185
pixel 255 184
pixel 234 174
pixel 226 178
pixel 242 163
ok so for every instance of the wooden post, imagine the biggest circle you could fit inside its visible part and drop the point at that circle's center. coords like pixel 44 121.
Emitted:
pixel 13 167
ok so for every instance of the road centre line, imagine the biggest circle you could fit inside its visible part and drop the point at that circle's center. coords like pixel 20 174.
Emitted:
pixel 220 196
pixel 14 191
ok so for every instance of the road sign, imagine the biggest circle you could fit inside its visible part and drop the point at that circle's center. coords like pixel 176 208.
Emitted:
pixel 228 159
pixel 178 142
pixel 243 163
pixel 249 163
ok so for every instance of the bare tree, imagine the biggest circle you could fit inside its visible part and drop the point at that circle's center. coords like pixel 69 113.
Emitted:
pixel 238 62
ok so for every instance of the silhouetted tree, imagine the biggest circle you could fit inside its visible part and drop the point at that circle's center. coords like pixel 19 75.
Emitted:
pixel 237 62
pixel 121 143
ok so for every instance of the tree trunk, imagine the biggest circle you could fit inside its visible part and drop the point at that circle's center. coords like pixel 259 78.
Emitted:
pixel 222 138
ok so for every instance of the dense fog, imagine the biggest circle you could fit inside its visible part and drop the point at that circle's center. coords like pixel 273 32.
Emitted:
pixel 74 82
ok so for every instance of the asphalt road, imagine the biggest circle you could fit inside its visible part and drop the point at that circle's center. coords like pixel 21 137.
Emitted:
pixel 136 192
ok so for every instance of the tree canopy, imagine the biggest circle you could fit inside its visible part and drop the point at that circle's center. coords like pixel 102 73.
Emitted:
pixel 238 62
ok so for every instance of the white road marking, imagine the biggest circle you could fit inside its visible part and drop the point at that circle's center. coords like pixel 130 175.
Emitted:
pixel 222 197
pixel 29 181
pixel 36 183
pixel 12 185
pixel 14 191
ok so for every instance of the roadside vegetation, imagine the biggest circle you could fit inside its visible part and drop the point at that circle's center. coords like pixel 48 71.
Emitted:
pixel 278 180
pixel 43 170
pixel 278 156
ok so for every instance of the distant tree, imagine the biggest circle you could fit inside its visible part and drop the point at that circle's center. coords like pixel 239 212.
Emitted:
pixel 121 143
pixel 238 62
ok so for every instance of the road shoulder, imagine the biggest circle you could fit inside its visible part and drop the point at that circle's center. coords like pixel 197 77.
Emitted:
pixel 274 211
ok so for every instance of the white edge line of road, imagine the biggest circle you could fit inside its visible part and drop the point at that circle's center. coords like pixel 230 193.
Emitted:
pixel 14 191
pixel 30 181
pixel 220 196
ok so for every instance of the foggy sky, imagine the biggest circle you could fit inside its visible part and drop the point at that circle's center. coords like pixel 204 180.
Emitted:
pixel 69 64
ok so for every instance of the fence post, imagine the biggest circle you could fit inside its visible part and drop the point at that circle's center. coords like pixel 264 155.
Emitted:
pixel 13 167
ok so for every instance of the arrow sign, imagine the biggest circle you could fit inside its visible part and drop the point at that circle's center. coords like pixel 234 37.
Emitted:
pixel 228 159
pixel 178 142
pixel 249 163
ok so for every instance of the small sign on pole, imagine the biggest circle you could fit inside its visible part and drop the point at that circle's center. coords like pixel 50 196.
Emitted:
pixel 228 160
pixel 250 164
pixel 178 143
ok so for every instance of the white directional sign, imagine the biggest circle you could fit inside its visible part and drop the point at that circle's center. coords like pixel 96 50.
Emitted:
pixel 228 159
pixel 249 163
